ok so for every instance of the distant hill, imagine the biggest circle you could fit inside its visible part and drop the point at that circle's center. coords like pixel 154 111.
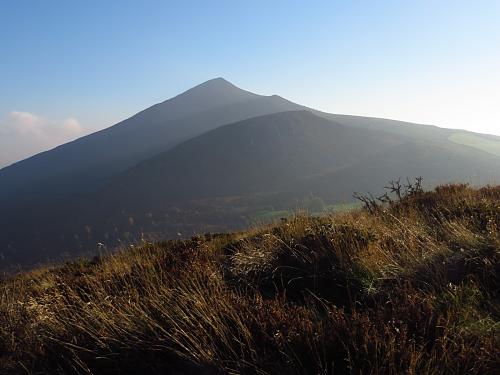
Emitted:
pixel 211 159
pixel 438 163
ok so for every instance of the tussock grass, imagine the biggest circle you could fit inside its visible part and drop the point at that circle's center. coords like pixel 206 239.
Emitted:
pixel 410 288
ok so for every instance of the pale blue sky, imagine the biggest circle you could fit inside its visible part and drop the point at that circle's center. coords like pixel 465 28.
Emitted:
pixel 71 67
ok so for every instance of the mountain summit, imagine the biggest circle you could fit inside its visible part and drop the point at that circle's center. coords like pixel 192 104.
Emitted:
pixel 211 94
pixel 222 89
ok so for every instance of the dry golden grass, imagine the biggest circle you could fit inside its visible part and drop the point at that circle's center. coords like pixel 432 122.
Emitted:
pixel 412 288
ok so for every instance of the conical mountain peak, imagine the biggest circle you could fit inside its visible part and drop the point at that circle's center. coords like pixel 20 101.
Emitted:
pixel 217 82
pixel 209 95
pixel 220 86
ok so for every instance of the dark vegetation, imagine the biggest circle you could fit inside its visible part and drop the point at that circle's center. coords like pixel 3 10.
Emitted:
pixel 411 286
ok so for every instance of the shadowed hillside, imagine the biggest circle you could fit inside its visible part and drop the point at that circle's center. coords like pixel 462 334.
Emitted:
pixel 412 287
pixel 262 154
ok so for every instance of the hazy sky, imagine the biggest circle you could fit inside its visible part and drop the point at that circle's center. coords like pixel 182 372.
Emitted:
pixel 68 68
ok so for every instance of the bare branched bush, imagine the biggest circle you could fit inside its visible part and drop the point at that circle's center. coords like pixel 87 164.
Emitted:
pixel 395 188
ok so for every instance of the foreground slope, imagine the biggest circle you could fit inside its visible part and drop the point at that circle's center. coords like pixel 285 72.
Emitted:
pixel 411 288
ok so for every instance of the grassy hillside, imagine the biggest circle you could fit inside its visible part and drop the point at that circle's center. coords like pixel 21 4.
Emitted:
pixel 412 287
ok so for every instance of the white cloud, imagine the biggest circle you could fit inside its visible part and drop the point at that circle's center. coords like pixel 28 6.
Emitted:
pixel 23 134
pixel 31 125
pixel 24 122
pixel 71 126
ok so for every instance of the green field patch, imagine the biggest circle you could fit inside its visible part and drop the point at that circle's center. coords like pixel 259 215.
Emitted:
pixel 343 207
pixel 270 216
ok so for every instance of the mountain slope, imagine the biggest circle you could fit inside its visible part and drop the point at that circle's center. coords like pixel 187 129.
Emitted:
pixel 262 154
pixel 86 163
pixel 437 163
